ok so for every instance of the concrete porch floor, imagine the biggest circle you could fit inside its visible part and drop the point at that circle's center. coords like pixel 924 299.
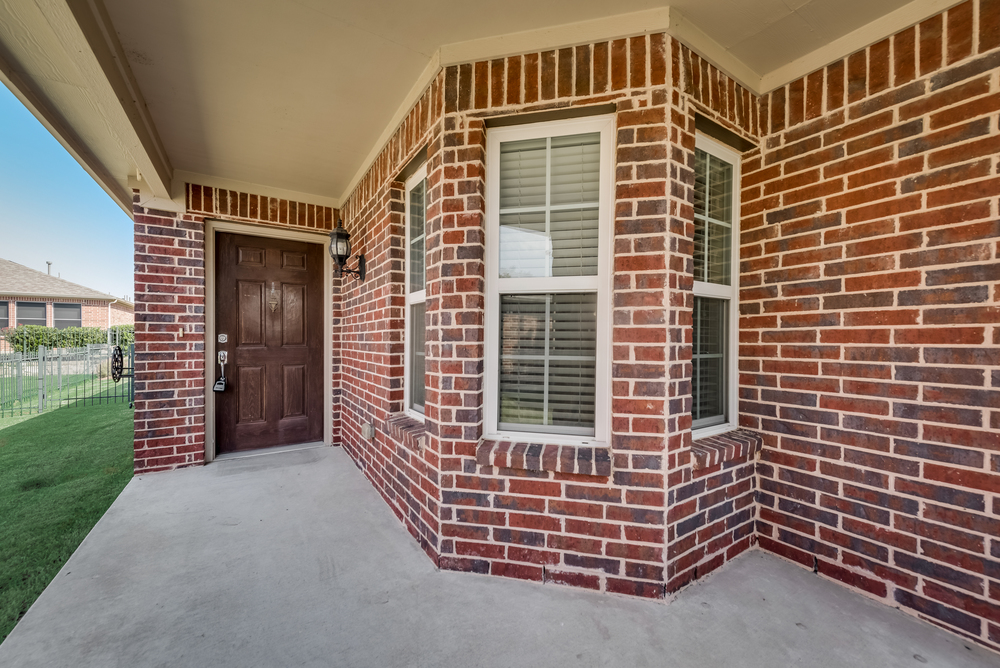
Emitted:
pixel 292 559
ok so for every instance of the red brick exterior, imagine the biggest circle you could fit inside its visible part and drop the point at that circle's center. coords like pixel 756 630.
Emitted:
pixel 170 299
pixel 870 320
pixel 94 313
pixel 869 340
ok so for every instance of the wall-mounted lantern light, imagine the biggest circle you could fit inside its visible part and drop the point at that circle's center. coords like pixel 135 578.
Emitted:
pixel 340 251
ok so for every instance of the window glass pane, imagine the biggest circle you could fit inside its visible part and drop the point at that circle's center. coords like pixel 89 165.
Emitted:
pixel 67 315
pixel 548 347
pixel 525 248
pixel 4 315
pixel 576 169
pixel 549 195
pixel 30 313
pixel 417 357
pixel 709 360
pixel 418 211
pixel 574 239
pixel 713 194
pixel 522 173
pixel 720 191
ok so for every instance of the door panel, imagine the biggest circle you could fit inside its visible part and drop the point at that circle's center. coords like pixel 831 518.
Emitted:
pixel 249 388
pixel 269 298
pixel 293 322
pixel 291 260
pixel 294 391
pixel 251 313
pixel 250 257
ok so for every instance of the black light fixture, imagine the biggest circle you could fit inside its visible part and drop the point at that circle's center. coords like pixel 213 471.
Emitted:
pixel 340 251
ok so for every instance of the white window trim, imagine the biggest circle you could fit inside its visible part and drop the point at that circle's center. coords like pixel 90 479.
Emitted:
pixel 601 284
pixel 730 292
pixel 416 297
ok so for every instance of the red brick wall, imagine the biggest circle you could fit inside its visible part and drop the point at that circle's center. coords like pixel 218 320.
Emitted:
pixel 869 330
pixel 368 329
pixel 170 299
pixel 93 313
pixel 710 511
pixel 169 367
pixel 869 356
pixel 588 517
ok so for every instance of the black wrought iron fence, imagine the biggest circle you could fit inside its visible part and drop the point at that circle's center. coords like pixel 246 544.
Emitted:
pixel 50 378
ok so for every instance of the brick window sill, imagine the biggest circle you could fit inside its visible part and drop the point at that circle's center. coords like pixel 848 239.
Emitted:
pixel 732 446
pixel 407 431
pixel 575 459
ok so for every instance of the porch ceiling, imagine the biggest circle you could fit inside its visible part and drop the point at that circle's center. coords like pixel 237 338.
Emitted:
pixel 295 95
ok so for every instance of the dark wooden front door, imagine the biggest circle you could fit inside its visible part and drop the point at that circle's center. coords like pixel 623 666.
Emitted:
pixel 269 305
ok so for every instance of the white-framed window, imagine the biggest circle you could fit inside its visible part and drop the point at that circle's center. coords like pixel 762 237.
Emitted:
pixel 67 315
pixel 4 315
pixel 416 295
pixel 716 288
pixel 549 205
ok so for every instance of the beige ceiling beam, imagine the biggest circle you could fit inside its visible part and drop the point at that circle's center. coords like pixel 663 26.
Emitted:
pixel 43 109
pixel 94 24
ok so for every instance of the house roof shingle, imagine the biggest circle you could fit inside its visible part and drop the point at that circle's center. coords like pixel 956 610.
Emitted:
pixel 16 280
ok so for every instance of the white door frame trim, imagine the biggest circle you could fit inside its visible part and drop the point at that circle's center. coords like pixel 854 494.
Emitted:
pixel 213 225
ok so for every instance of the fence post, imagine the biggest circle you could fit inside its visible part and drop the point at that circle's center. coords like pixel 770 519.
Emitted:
pixel 59 367
pixel 131 376
pixel 41 378
pixel 20 374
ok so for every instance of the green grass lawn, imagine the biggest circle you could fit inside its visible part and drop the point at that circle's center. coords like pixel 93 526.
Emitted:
pixel 59 473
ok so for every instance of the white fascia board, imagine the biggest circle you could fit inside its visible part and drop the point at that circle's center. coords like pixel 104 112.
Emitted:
pixel 870 33
pixel 43 111
pixel 430 71
pixel 663 19
pixel 87 35
pixel 554 37
pixel 182 178
pixel 699 41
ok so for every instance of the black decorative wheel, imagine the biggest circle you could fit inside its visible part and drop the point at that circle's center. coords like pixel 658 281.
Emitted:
pixel 117 363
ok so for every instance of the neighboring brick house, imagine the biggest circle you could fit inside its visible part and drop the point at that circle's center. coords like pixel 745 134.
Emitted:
pixel 31 297
pixel 563 367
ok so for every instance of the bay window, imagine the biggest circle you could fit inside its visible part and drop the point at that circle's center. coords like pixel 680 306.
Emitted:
pixel 716 216
pixel 548 279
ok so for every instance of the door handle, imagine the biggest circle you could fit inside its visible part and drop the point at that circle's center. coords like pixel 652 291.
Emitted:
pixel 220 384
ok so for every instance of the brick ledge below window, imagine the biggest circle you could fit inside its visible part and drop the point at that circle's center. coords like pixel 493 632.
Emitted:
pixel 577 459
pixel 731 446
pixel 406 430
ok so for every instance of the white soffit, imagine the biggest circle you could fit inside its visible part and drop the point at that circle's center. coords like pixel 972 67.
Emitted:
pixel 301 95
pixel 793 24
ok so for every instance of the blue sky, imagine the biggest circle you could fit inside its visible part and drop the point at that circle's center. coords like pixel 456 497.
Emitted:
pixel 50 209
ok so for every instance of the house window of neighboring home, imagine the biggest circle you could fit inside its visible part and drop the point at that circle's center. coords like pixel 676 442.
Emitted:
pixel 67 315
pixel 549 199
pixel 716 216
pixel 416 295
pixel 30 313
pixel 4 315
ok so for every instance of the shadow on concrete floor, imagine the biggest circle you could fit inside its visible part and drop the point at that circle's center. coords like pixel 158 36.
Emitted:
pixel 294 560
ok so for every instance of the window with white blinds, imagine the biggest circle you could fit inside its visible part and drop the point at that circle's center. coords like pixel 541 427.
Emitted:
pixel 67 315
pixel 548 278
pixel 4 314
pixel 716 201
pixel 416 279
